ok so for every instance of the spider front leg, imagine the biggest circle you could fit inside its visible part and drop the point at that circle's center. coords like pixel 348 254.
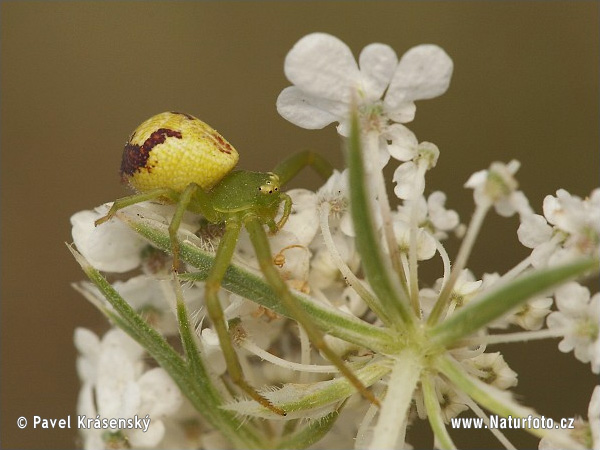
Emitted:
pixel 274 227
pixel 259 239
pixel 215 312
pixel 289 167
pixel 121 203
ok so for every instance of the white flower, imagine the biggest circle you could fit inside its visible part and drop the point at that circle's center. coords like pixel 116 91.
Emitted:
pixel 303 220
pixel 534 230
pixel 498 186
pixel 578 317
pixel 335 192
pixel 432 215
pixel 116 385
pixel 426 246
pixel 213 354
pixel 155 300
pixel 441 219
pixel 492 369
pixel 569 228
pixel 465 288
pixel 410 181
pixel 324 273
pixel 254 320
pixel 450 400
pixel 410 176
pixel 529 315
pixel 327 80
pixel 110 247
pixel 579 219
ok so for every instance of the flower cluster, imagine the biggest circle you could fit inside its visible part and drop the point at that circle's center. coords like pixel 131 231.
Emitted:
pixel 351 257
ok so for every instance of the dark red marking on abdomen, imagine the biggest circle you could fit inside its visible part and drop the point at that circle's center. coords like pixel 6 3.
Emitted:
pixel 222 144
pixel 136 157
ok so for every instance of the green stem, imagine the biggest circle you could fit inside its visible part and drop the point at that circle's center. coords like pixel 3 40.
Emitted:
pixel 390 294
pixel 484 309
pixel 434 413
pixel 394 410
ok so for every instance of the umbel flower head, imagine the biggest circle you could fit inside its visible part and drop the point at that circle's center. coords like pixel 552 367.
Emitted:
pixel 420 349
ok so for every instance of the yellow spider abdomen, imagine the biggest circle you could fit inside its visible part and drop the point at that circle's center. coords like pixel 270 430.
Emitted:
pixel 172 150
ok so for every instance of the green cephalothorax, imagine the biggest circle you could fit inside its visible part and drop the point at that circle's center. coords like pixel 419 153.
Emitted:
pixel 238 199
pixel 241 191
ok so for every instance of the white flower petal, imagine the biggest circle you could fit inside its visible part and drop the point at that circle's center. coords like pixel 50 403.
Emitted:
pixel 477 180
pixel 534 230
pixel 212 351
pixel 441 218
pixel 404 143
pixel 118 339
pixel 343 128
pixel 160 394
pixel 423 72
pixel 86 341
pixel 323 66
pixel 305 110
pixel 409 183
pixel 117 393
pixel 304 219
pixel 402 113
pixel 85 401
pixel 541 255
pixel 149 438
pixel 110 247
pixel 377 65
pixel 572 299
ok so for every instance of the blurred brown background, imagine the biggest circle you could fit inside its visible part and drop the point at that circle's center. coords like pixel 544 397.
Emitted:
pixel 78 77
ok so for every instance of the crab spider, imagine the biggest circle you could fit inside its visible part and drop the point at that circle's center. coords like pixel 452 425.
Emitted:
pixel 176 158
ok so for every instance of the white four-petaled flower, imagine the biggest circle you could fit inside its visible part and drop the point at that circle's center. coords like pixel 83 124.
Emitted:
pixel 327 80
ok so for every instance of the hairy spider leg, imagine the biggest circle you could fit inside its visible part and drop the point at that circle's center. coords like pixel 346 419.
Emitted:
pixel 123 202
pixel 215 312
pixel 287 209
pixel 182 205
pixel 262 248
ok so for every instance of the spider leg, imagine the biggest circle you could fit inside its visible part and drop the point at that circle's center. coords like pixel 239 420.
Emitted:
pixel 136 198
pixel 182 205
pixel 274 227
pixel 289 167
pixel 215 312
pixel 258 236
